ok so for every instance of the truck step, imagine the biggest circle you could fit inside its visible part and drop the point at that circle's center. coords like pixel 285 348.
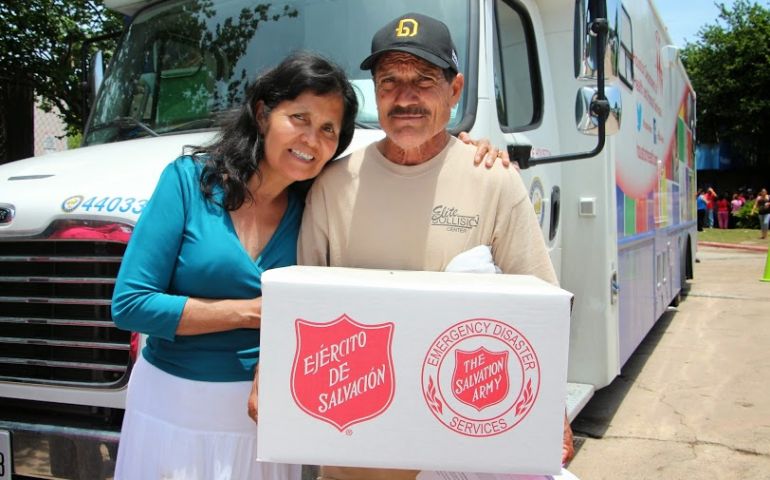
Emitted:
pixel 578 394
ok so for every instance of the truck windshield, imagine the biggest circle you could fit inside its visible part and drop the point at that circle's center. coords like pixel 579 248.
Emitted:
pixel 183 64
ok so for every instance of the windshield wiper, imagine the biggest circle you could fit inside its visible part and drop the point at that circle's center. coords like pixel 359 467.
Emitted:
pixel 192 125
pixel 124 123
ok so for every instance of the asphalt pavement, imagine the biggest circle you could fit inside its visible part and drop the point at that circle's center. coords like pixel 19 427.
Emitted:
pixel 693 402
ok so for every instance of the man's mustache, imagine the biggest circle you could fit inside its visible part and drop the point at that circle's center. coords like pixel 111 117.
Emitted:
pixel 412 110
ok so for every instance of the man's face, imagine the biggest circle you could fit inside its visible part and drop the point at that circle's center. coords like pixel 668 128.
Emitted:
pixel 414 100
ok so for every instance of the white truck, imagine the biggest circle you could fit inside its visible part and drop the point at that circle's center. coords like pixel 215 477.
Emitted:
pixel 620 223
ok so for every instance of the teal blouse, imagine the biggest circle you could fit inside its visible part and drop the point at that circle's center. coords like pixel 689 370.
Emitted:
pixel 184 246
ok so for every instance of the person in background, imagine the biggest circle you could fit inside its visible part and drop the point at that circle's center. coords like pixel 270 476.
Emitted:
pixel 762 209
pixel 711 198
pixel 723 211
pixel 191 276
pixel 735 206
pixel 377 207
pixel 702 204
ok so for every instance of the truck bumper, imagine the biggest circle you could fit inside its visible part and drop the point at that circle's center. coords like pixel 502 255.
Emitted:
pixel 58 452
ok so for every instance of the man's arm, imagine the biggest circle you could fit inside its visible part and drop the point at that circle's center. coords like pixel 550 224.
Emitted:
pixel 517 242
pixel 518 248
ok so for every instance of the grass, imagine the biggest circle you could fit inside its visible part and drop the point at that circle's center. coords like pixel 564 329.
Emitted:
pixel 740 236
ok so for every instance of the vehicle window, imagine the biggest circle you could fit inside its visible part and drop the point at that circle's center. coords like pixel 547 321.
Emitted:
pixel 516 82
pixel 184 64
pixel 626 50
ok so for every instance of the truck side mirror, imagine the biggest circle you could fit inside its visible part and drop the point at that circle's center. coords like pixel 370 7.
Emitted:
pixel 586 58
pixel 587 120
pixel 95 75
pixel 92 72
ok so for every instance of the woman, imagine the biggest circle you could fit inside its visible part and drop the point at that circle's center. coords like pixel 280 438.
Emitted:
pixel 711 197
pixel 735 206
pixel 723 210
pixel 190 278
pixel 762 208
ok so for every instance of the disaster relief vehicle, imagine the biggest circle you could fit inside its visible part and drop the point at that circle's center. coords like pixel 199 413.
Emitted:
pixel 614 198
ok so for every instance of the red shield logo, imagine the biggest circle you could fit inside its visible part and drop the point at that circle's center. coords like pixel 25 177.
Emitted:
pixel 343 370
pixel 480 377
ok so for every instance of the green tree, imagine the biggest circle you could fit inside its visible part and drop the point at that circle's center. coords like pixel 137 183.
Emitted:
pixel 41 47
pixel 729 66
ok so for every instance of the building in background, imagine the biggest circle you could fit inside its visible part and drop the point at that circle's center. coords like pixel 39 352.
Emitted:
pixel 719 166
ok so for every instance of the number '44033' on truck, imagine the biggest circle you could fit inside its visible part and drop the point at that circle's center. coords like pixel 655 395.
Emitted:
pixel 589 96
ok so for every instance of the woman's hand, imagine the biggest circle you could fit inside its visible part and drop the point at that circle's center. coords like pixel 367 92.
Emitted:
pixel 253 313
pixel 485 151
pixel 203 315
pixel 254 396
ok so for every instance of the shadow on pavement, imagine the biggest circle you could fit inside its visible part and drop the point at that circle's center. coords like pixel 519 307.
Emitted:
pixel 594 420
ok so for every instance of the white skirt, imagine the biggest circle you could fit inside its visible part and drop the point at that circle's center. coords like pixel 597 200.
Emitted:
pixel 182 429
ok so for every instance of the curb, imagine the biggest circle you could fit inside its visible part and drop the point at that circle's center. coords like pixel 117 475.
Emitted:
pixel 749 248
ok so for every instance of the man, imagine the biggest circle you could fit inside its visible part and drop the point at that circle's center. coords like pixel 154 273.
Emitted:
pixel 711 199
pixel 414 200
pixel 702 205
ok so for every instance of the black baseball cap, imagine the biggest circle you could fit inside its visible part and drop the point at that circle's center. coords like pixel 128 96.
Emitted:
pixel 416 34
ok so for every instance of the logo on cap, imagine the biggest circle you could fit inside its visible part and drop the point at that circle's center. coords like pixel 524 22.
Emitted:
pixel 407 28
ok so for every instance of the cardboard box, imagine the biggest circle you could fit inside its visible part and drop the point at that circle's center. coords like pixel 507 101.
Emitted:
pixel 420 370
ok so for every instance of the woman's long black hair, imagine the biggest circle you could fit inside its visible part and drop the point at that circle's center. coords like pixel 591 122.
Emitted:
pixel 236 154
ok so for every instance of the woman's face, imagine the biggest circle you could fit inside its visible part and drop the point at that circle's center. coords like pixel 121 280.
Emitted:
pixel 301 135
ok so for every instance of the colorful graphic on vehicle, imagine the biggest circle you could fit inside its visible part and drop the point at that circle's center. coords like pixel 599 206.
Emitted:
pixel 655 183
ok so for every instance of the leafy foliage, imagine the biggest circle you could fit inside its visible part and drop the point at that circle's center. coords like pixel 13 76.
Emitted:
pixel 41 45
pixel 746 217
pixel 729 66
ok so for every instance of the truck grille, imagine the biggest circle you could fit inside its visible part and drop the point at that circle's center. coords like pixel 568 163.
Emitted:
pixel 55 322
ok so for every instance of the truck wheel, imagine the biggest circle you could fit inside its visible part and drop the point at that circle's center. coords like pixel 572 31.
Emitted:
pixel 676 300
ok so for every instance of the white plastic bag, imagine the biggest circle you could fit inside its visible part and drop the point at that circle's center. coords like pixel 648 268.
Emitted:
pixel 476 260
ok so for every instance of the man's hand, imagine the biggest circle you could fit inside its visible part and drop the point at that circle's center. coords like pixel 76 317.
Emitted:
pixel 253 396
pixel 568 446
pixel 485 151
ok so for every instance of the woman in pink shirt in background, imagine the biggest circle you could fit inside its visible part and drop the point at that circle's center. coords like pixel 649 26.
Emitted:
pixel 723 210
pixel 735 205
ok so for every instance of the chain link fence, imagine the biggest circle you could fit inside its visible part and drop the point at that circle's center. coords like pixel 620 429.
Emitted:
pixel 50 133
